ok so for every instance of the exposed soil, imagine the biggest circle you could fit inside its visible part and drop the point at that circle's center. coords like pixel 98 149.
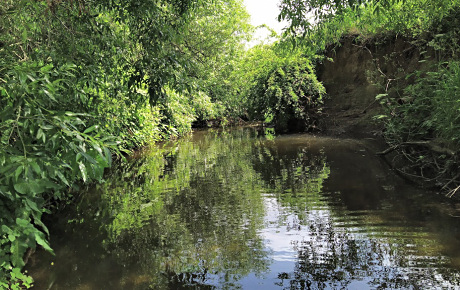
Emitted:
pixel 354 74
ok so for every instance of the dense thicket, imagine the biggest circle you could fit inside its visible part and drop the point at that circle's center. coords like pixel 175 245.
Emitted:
pixel 277 87
pixel 83 80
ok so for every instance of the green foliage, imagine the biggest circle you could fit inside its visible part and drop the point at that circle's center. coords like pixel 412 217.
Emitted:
pixel 43 151
pixel 410 18
pixel 429 108
pixel 180 111
pixel 281 89
pixel 445 34
pixel 214 46
pixel 83 80
pixel 425 124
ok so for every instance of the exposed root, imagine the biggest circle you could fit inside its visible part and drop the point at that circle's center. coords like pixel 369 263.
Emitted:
pixel 429 144
pixel 427 162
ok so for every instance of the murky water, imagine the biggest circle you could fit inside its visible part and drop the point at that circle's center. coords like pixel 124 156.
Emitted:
pixel 236 210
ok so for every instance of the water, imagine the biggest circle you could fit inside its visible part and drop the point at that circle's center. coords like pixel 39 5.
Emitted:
pixel 237 210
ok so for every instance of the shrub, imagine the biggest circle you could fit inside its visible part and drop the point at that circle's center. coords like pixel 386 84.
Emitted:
pixel 288 95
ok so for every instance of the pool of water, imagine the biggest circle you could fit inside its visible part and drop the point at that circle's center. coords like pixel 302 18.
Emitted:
pixel 239 210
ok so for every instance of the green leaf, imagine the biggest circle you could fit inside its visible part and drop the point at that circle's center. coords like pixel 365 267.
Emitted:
pixel 32 186
pixel 17 250
pixel 83 171
pixel 97 147
pixel 32 204
pixel 42 242
pixel 108 156
pixel 62 177
pixel 22 187
pixel 90 129
pixel 41 135
pixel 11 238
pixel 380 96
pixel 89 158
pixel 35 167
pixel 39 223
pixel 18 172
pixel 6 229
pixel 46 127
pixel 46 68
pixel 22 222
pixel 50 95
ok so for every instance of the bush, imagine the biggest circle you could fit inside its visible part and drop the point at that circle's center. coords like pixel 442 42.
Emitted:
pixel 44 149
pixel 288 95
pixel 429 108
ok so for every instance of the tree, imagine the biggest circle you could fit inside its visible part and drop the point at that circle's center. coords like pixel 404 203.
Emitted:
pixel 76 81
pixel 298 12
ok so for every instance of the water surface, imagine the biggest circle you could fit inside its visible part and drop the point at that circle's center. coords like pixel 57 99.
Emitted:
pixel 236 210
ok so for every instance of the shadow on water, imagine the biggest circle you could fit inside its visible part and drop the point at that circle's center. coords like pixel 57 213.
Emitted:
pixel 234 209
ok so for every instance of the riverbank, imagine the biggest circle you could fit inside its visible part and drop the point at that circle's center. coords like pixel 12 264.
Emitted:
pixel 370 86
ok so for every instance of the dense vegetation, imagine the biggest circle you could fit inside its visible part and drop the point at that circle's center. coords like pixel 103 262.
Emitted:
pixel 420 107
pixel 84 81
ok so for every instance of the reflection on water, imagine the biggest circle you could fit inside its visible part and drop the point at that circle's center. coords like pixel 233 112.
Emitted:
pixel 234 209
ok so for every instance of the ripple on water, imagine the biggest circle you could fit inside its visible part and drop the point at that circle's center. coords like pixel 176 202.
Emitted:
pixel 227 210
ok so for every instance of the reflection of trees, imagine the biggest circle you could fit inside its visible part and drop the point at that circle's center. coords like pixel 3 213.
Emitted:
pixel 331 256
pixel 341 258
pixel 186 210
pixel 189 214
pixel 334 259
pixel 294 173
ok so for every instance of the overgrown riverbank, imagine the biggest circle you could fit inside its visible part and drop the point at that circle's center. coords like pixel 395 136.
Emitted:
pixel 82 82
pixel 402 86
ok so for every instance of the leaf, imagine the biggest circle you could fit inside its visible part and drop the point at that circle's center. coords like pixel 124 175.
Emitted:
pixel 83 171
pixel 18 172
pixel 42 242
pixel 39 223
pixel 22 187
pixel 46 127
pixel 381 96
pixel 50 95
pixel 17 250
pixel 46 68
pixel 90 129
pixel 108 156
pixel 62 177
pixel 32 186
pixel 22 222
pixel 97 147
pixel 35 167
pixel 89 158
pixel 41 135
pixel 32 204
pixel 11 238
pixel 6 229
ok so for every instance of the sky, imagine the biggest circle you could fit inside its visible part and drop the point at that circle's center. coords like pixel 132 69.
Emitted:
pixel 264 12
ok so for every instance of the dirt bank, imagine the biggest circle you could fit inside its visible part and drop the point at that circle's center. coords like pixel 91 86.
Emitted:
pixel 354 73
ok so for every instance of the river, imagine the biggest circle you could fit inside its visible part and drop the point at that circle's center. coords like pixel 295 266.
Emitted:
pixel 240 209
